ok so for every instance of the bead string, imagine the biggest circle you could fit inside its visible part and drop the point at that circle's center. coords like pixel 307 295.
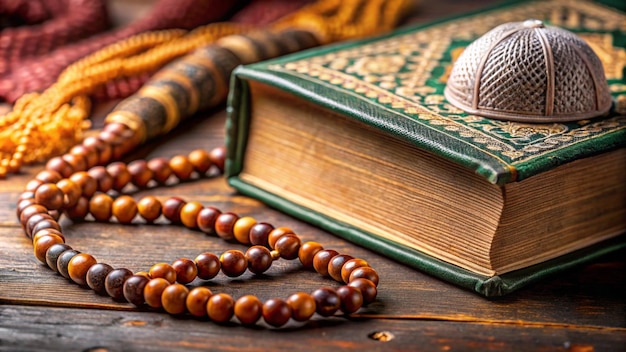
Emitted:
pixel 80 193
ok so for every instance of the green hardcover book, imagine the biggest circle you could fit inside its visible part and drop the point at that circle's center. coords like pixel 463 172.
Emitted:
pixel 358 139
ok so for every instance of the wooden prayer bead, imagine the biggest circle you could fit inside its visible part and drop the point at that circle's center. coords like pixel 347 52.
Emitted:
pixel 259 233
pixel 321 260
pixel 221 307
pixel 63 262
pixel 88 184
pixel 364 273
pixel 56 214
pixel 77 163
pixel 100 207
pixel 46 232
pixel 60 166
pixel 153 291
pixel 104 150
pixel 197 300
pixel 200 160
pixel 78 266
pixel 218 157
pixel 171 209
pixel 22 204
pixel 43 243
pixel 49 196
pixel 174 298
pixel 248 309
pixel 327 301
pixel 163 270
pixel 140 173
pixel 259 259
pixel 53 253
pixel 351 299
pixel 96 277
pixel 307 252
pixel 78 211
pixel 124 208
pixel 102 177
pixel 233 263
pixel 134 289
pixel 89 153
pixel 35 220
pixel 161 169
pixel 288 246
pixel 30 211
pixel 189 214
pixel 336 264
pixel 208 265
pixel 276 312
pixel 224 225
pixel 32 185
pixel 186 270
pixel 241 229
pixel 367 288
pixel 206 219
pixel 121 175
pixel 302 306
pixel 277 233
pixel 114 282
pixel 181 167
pixel 71 191
pixel 48 176
pixel 149 208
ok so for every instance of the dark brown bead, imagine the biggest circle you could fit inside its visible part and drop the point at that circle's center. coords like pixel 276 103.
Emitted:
pixel 302 306
pixel 174 298
pixel 78 211
pixel 181 167
pixel 277 233
pixel 140 173
pixel 22 204
pixel 30 211
pixel 88 184
pixel 259 233
pixel 276 312
pixel 33 221
pixel 189 214
pixel 89 154
pixel 124 209
pixel 46 224
pixel 32 185
pixel 64 260
pixel 133 289
pixel 206 219
pixel 42 243
pixel 161 169
pixel 200 160
pixel 307 253
pixel 153 291
pixel 321 260
pixel 351 299
pixel 149 208
pixel 336 264
pixel 102 177
pixel 49 176
pixel 96 277
pixel 53 253
pixel 364 273
pixel 224 225
pixel 100 207
pixel 288 246
pixel 327 301
pixel 163 270
pixel 50 196
pixel 103 149
pixel 114 282
pixel 171 209
pixel 186 270
pixel 208 265
pixel 121 175
pixel 233 263
pixel 248 309
pixel 60 166
pixel 78 266
pixel 218 158
pixel 71 191
pixel 76 162
pixel 367 288
pixel 259 259
pixel 221 307
pixel 197 300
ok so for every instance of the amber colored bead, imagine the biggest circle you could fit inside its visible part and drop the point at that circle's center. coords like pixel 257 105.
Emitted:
pixel 220 307
pixel 233 263
pixel 189 214
pixel 62 167
pixel 224 225
pixel 218 157
pixel 306 253
pixel 206 219
pixel 163 270
pixel 259 233
pixel 186 270
pixel 200 160
pixel 321 260
pixel 76 162
pixel 78 266
pixel 197 300
pixel 149 208
pixel 302 306
pixel 71 191
pixel 33 221
pixel 50 196
pixel 103 149
pixel 241 229
pixel 174 298
pixel 140 173
pixel 78 211
pixel 32 185
pixel 30 211
pixel 53 253
pixel 46 232
pixel 364 273
pixel 336 264
pixel 124 209
pixel 96 277
pixel 351 299
pixel 89 154
pixel 367 288
pixel 208 265
pixel 259 259
pixel 88 184
pixel 43 243
pixel 171 209
pixel 276 312
pixel 63 262
pixel 100 207
pixel 277 233
pixel 114 282
pixel 102 177
pixel 161 169
pixel 248 309
pixel 288 246
pixel 181 167
pixel 327 301
pixel 133 289
pixel 153 290
pixel 49 176
pixel 121 175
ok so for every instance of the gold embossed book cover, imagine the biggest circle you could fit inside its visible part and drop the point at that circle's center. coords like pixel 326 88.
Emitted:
pixel 358 139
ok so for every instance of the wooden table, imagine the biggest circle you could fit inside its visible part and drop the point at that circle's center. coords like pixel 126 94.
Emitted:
pixel 581 310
